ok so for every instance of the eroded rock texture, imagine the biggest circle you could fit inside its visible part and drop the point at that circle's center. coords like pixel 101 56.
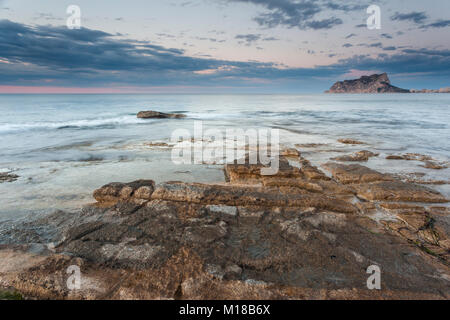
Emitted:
pixel 299 234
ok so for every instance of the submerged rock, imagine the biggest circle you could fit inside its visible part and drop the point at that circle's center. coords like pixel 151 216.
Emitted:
pixel 159 115
pixel 290 153
pixel 434 165
pixel 363 155
pixel 395 157
pixel 428 162
pixel 350 141
pixel 8 177
pixel 410 157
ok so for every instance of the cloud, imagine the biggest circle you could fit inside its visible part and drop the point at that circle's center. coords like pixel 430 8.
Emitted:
pixel 427 52
pixel 270 39
pixel 371 45
pixel 47 16
pixel 86 57
pixel 248 38
pixel 404 63
pixel 300 14
pixel 438 24
pixel 38 55
pixel 416 17
pixel 324 24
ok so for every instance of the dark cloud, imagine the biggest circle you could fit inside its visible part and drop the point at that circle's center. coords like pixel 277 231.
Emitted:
pixel 390 48
pixel 347 45
pixel 386 36
pixel 345 7
pixel 350 36
pixel 248 39
pixel 438 24
pixel 300 14
pixel 210 39
pixel 86 58
pixel 416 17
pixel 324 24
pixel 270 39
pixel 83 49
pixel 427 52
pixel 375 45
pixel 371 45
pixel 405 63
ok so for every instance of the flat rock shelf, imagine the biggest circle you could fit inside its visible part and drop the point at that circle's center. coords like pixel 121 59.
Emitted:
pixel 300 234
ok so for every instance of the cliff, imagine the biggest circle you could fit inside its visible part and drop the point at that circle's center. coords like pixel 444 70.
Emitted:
pixel 376 83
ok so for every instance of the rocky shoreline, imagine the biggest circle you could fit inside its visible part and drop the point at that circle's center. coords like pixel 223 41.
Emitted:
pixel 305 233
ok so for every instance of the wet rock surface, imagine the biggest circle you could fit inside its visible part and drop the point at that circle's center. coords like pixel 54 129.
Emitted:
pixel 349 141
pixel 363 155
pixel 434 165
pixel 299 234
pixel 398 191
pixel 355 173
pixel 159 115
pixel 8 177
pixel 428 162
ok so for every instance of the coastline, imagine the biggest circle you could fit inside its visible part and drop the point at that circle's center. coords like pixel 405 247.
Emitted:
pixel 239 239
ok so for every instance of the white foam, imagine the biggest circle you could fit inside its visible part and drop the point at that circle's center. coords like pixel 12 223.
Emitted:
pixel 122 120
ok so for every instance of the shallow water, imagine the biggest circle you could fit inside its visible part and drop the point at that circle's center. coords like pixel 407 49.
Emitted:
pixel 65 146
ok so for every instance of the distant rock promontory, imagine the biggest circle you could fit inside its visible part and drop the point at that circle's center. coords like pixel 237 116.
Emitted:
pixel 441 90
pixel 376 83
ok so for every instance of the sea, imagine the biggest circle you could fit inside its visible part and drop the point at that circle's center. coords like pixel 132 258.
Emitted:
pixel 63 147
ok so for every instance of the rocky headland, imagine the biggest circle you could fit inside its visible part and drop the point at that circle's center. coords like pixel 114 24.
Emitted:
pixel 303 233
pixel 376 83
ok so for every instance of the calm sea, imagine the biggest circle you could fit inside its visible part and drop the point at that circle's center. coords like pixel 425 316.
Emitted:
pixel 65 146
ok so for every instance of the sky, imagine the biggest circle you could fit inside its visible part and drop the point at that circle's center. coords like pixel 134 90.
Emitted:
pixel 219 46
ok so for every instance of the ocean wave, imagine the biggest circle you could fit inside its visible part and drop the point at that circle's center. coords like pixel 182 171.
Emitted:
pixel 212 116
pixel 73 124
